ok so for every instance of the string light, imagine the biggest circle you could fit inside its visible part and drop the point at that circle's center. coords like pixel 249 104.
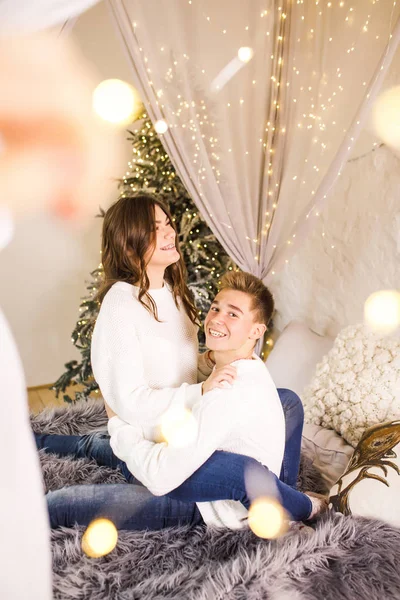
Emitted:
pixel 320 116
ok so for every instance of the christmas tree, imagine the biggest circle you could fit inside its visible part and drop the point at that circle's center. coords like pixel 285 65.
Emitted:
pixel 150 169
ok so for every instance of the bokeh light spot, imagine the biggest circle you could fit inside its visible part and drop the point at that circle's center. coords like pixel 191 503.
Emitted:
pixel 116 101
pixel 100 538
pixel 267 518
pixel 179 427
pixel 386 117
pixel 382 311
pixel 245 54
pixel 161 126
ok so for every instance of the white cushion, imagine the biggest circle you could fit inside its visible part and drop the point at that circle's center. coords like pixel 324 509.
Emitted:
pixel 359 492
pixel 294 357
pixel 356 385
pixel 327 450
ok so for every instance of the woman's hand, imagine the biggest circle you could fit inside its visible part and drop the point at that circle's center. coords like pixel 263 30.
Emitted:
pixel 109 411
pixel 220 378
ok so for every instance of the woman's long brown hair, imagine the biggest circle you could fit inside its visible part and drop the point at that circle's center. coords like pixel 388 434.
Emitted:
pixel 129 231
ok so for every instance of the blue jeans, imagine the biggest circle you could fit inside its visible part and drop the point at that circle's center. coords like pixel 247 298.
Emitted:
pixel 294 420
pixel 221 477
pixel 127 506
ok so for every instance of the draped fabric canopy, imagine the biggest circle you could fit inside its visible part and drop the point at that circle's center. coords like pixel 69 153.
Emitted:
pixel 19 16
pixel 264 100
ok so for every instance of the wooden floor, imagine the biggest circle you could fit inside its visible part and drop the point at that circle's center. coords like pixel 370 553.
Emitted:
pixel 42 397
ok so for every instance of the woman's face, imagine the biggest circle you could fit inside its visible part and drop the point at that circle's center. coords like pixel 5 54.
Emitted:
pixel 165 252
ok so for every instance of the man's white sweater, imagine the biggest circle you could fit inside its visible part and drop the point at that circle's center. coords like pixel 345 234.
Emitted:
pixel 145 368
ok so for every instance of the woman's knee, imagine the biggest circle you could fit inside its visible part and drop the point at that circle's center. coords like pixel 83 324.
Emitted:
pixel 291 402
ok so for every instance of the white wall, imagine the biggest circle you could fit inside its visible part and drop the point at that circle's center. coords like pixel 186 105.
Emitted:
pixel 43 270
pixel 326 287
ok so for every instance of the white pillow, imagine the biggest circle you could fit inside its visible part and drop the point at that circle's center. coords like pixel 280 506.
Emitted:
pixel 327 451
pixel 294 357
pixel 370 487
pixel 356 385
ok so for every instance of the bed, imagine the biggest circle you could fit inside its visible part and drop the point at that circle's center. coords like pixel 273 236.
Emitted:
pixel 345 557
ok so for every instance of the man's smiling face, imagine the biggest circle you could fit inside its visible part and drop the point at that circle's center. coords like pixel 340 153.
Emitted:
pixel 230 322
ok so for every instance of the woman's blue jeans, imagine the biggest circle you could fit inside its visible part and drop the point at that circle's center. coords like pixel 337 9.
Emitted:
pixel 221 477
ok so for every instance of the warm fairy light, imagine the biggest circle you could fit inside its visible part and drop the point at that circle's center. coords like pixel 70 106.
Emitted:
pixel 116 101
pixel 382 311
pixel 245 54
pixel 179 427
pixel 161 126
pixel 386 117
pixel 267 518
pixel 100 538
pixel 309 104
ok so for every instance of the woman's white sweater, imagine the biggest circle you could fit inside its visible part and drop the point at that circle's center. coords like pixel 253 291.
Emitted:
pixel 143 366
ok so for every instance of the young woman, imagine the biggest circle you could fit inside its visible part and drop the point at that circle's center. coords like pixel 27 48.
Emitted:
pixel 144 357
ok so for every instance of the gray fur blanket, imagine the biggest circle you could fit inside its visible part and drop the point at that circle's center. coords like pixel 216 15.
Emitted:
pixel 345 558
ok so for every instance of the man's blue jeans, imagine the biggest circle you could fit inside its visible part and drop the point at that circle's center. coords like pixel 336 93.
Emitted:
pixel 221 477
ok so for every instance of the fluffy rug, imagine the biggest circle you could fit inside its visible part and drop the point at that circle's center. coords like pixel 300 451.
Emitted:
pixel 345 558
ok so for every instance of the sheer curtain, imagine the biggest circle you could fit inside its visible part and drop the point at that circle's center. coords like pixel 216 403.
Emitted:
pixel 263 100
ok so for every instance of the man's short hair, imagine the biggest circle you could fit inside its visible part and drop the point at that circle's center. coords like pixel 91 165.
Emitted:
pixel 262 299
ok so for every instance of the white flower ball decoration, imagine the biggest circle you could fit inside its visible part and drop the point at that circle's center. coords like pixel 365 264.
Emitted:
pixel 356 385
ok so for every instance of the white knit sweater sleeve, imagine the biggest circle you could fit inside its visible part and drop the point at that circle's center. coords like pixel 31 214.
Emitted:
pixel 117 363
pixel 162 467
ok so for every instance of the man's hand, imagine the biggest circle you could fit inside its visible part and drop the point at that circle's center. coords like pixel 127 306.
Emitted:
pixel 220 378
